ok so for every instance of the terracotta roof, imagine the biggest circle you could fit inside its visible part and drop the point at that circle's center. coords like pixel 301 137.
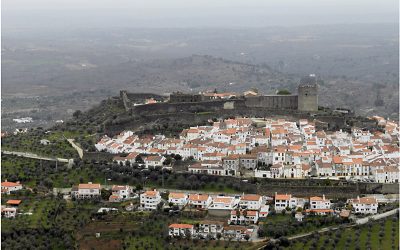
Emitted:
pixel 89 186
pixel 181 226
pixel 14 202
pixel 10 184
pixel 118 187
pixel 316 198
pixel 283 196
pixel 151 193
pixel 226 200
pixel 177 195
pixel 366 200
pixel 319 210
pixel 198 197
pixel 250 197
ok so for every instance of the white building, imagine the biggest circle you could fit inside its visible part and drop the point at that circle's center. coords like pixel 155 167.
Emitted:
pixel 180 230
pixel 210 228
pixel 200 200
pixel 319 202
pixel 241 216
pixel 8 187
pixel 121 192
pixel 87 191
pixel 282 201
pixel 8 212
pixel 150 199
pixel 250 201
pixel 366 205
pixel 179 199
pixel 223 203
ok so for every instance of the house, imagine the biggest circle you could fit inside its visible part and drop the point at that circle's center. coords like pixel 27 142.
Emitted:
pixel 230 164
pixel 154 160
pixel 319 211
pixel 248 161
pixel 241 216
pixel 86 191
pixel 282 201
pixel 319 203
pixel 223 202
pixel 180 230
pixel 8 187
pixel 235 232
pixel 200 200
pixel 262 173
pixel 250 201
pixel 365 205
pixel 149 200
pixel 210 229
pixel 299 216
pixel 264 210
pixel 179 199
pixel 8 212
pixel 120 192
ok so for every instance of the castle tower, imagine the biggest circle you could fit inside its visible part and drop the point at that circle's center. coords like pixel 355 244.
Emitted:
pixel 308 94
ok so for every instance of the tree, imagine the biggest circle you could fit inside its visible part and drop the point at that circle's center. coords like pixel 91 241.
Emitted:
pixel 219 235
pixel 247 237
pixel 105 194
pixel 178 157
pixel 77 113
pixel 139 159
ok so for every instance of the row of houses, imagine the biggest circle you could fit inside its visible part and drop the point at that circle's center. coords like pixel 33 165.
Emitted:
pixel 210 230
pixel 278 149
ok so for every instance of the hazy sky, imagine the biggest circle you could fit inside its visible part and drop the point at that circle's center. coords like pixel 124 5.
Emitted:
pixel 193 13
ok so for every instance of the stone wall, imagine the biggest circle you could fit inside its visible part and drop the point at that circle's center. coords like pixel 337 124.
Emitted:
pixel 272 102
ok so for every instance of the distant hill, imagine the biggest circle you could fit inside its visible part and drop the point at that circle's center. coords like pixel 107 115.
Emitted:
pixel 201 72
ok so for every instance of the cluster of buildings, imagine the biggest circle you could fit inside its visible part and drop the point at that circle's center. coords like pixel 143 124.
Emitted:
pixel 278 149
pixel 210 230
pixel 93 191
pixel 10 209
pixel 249 208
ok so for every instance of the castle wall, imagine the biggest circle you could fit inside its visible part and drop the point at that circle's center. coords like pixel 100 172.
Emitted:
pixel 272 102
pixel 191 107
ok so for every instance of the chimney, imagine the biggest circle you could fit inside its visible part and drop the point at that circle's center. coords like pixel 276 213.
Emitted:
pixel 323 196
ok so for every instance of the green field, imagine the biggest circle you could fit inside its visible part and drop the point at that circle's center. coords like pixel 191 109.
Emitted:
pixel 379 235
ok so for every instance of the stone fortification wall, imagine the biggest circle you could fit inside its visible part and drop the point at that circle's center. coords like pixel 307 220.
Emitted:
pixel 272 101
pixel 192 107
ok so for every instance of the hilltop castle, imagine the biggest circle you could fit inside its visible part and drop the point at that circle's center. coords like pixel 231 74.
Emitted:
pixel 305 100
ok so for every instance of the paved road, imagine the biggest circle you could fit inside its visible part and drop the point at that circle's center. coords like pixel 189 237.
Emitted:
pixel 196 191
pixel 35 156
pixel 76 147
pixel 376 216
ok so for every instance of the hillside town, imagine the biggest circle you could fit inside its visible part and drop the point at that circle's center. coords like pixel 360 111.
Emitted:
pixel 269 148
